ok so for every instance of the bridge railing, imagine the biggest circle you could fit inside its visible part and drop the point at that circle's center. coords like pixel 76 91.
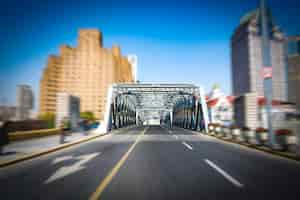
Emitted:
pixel 119 111
pixel 190 112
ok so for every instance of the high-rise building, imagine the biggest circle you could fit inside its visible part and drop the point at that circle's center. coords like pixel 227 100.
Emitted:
pixel 24 102
pixel 133 60
pixel 246 58
pixel 294 70
pixel 85 71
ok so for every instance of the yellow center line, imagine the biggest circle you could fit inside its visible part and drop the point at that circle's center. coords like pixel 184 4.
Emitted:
pixel 106 181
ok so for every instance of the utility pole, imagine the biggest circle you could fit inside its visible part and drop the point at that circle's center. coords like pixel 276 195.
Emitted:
pixel 267 67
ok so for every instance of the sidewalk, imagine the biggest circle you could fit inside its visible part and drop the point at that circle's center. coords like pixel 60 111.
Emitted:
pixel 19 149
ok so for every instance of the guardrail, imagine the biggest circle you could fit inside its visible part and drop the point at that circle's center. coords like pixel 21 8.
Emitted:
pixel 287 141
pixel 23 135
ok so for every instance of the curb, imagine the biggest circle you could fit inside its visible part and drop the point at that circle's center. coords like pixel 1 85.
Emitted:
pixel 63 146
pixel 251 146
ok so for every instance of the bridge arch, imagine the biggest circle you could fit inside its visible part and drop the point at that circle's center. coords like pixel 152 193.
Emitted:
pixel 181 105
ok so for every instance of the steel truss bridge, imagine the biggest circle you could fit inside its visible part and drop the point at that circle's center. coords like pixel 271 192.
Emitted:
pixel 182 105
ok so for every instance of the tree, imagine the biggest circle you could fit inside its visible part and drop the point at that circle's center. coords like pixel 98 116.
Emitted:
pixel 215 86
pixel 88 115
pixel 49 117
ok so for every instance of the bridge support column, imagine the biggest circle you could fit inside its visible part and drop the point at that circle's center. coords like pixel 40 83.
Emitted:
pixel 204 109
pixel 106 124
pixel 197 116
pixel 171 119
pixel 137 118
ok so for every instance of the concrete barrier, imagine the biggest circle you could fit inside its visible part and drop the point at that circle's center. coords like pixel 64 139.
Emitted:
pixel 23 135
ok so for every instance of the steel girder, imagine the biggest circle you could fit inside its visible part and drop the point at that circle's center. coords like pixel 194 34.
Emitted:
pixel 135 103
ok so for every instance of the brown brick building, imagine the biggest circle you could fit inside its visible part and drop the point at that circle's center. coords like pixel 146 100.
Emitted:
pixel 85 71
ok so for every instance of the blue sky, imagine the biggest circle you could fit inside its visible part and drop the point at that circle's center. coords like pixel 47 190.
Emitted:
pixel 175 41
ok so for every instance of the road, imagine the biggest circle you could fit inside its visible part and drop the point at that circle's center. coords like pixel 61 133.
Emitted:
pixel 153 163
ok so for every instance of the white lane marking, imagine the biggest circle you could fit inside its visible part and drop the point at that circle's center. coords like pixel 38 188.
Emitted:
pixel 65 171
pixel 60 159
pixel 187 145
pixel 223 173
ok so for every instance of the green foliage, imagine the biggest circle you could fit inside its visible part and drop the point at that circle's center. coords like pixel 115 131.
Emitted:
pixel 88 115
pixel 215 86
pixel 49 117
pixel 66 123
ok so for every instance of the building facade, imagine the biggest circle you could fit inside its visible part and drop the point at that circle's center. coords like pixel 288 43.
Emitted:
pixel 250 111
pixel 246 111
pixel 67 107
pixel 85 71
pixel 220 107
pixel 24 102
pixel 133 60
pixel 246 59
pixel 7 113
pixel 294 70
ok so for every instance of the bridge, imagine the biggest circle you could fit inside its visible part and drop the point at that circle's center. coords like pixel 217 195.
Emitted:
pixel 155 104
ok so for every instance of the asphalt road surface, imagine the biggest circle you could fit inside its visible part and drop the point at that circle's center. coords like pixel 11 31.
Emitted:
pixel 153 163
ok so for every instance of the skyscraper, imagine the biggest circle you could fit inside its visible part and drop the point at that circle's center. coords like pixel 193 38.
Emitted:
pixel 24 102
pixel 133 60
pixel 85 71
pixel 294 70
pixel 246 58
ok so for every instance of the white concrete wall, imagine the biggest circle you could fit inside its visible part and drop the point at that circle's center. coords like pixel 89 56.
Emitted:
pixel 245 111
